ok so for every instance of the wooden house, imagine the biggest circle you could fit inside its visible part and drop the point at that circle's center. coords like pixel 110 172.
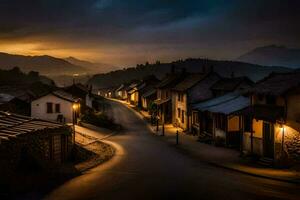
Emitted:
pixel 56 106
pixel 132 93
pixel 192 88
pixel 218 121
pixel 25 142
pixel 273 119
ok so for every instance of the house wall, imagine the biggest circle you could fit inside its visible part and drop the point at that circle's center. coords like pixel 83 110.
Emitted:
pixel 182 105
pixel 48 148
pixel 293 111
pixel 89 101
pixel 39 108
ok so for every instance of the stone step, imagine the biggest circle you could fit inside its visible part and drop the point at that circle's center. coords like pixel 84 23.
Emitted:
pixel 268 162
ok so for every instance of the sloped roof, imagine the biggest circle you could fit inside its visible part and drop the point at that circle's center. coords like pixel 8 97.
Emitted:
pixel 189 81
pixel 170 80
pixel 13 125
pixel 225 104
pixel 230 84
pixel 150 92
pixel 62 95
pixel 277 83
pixel 5 98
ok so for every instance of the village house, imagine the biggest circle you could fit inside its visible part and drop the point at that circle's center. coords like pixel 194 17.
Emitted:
pixel 273 119
pixel 217 120
pixel 193 88
pixel 56 106
pixel 163 100
pixel 148 84
pixel 9 103
pixel 131 91
pixel 26 142
pixel 148 98
pixel 81 92
pixel 119 92
pixel 214 119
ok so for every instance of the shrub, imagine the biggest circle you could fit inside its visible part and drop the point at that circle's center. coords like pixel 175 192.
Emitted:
pixel 100 119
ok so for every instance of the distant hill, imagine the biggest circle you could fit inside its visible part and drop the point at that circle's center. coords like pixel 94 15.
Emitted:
pixel 46 65
pixel 90 66
pixel 17 83
pixel 273 56
pixel 224 68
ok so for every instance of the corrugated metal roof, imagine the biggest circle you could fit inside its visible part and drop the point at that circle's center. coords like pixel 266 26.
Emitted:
pixel 226 104
pixel 13 125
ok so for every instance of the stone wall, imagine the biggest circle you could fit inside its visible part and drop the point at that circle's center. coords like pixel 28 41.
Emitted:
pixel 30 150
pixel 292 144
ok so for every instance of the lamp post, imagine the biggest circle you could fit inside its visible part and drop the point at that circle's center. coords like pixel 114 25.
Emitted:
pixel 282 139
pixel 74 108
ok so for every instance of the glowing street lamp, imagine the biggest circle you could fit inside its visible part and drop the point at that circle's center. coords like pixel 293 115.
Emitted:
pixel 75 107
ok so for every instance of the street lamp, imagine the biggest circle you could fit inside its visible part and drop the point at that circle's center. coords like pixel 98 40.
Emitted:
pixel 75 107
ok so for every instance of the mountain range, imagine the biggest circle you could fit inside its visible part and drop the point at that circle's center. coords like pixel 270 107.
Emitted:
pixel 224 68
pixel 273 55
pixel 48 65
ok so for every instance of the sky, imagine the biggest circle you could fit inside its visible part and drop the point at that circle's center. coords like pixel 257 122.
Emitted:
pixel 127 32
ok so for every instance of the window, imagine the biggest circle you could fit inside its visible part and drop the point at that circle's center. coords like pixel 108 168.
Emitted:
pixel 178 112
pixel 182 117
pixel 57 108
pixel 49 107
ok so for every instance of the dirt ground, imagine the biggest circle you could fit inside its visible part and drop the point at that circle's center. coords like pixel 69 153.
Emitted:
pixel 101 152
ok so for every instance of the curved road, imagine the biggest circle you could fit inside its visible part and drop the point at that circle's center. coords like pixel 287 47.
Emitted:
pixel 145 167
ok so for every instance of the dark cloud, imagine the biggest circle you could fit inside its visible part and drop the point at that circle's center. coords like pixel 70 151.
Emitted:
pixel 180 27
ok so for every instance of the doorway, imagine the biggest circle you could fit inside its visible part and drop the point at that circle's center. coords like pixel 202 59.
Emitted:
pixel 268 139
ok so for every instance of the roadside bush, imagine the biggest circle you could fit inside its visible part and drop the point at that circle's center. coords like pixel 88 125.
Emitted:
pixel 100 120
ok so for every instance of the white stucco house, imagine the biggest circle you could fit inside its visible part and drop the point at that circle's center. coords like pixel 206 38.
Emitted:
pixel 56 106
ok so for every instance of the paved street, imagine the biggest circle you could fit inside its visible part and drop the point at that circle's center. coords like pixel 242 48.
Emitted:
pixel 146 167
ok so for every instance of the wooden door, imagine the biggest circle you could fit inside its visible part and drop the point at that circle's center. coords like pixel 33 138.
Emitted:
pixel 268 139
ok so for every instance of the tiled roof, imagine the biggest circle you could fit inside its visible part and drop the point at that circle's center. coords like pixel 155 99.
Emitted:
pixel 150 92
pixel 189 81
pixel 277 83
pixel 170 80
pixel 64 95
pixel 12 125
pixel 229 84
